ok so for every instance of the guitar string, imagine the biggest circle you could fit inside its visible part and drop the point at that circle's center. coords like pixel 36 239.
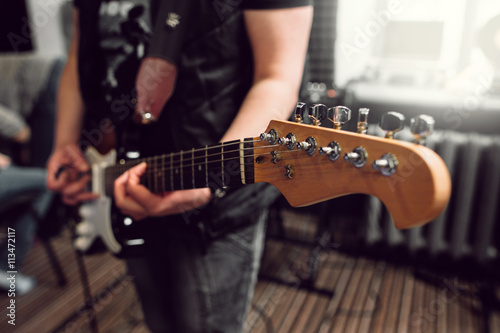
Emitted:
pixel 188 162
pixel 192 151
pixel 280 176
pixel 162 181
pixel 261 169
pixel 364 170
pixel 189 165
pixel 131 163
pixel 327 172
pixel 223 144
pixel 152 161
pixel 215 146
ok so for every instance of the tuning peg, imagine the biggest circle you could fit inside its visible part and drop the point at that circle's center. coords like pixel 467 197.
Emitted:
pixel 339 115
pixel 391 123
pixel 332 150
pixel 318 113
pixel 271 137
pixel 363 120
pixel 289 141
pixel 299 112
pixel 387 164
pixel 357 157
pixel 309 145
pixel 421 127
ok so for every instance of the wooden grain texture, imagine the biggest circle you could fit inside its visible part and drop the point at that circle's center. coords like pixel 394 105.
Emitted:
pixel 406 302
pixel 313 306
pixel 419 322
pixel 363 295
pixel 378 321
pixel 330 316
pixel 373 299
pixel 417 193
pixel 48 306
pixel 334 265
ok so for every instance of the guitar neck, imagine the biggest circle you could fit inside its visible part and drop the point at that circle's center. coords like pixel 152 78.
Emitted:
pixel 217 166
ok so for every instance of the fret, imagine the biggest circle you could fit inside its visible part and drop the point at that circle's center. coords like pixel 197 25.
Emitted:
pixel 158 174
pixel 200 171
pixel 222 162
pixel 231 157
pixel 187 167
pixel 144 179
pixel 192 168
pixel 149 173
pixel 177 171
pixel 163 170
pixel 181 167
pixel 213 165
pixel 155 175
pixel 206 166
pixel 171 172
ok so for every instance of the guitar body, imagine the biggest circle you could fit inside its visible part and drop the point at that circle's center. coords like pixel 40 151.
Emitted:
pixel 100 217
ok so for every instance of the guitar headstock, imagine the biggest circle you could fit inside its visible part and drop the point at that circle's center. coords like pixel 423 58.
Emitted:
pixel 310 164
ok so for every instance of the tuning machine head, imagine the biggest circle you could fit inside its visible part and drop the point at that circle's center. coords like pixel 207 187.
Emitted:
pixel 363 120
pixel 339 115
pixel 271 137
pixel 299 112
pixel 391 123
pixel 333 150
pixel 318 113
pixel 421 127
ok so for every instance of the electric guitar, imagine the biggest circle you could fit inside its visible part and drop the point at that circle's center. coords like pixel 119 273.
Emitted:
pixel 306 163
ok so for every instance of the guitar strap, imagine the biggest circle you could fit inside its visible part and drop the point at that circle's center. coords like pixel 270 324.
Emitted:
pixel 170 29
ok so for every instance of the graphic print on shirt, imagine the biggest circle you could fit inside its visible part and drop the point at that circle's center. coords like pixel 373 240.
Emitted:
pixel 125 29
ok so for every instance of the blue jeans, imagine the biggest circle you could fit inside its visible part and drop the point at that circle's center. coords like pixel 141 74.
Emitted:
pixel 185 287
pixel 15 181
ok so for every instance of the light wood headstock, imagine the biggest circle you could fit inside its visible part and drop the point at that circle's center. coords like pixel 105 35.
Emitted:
pixel 416 193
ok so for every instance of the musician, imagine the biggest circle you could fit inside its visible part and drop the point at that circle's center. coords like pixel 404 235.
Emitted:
pixel 207 72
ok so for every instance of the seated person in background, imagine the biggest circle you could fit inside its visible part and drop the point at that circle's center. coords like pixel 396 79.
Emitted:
pixel 27 91
pixel 14 182
pixel 27 86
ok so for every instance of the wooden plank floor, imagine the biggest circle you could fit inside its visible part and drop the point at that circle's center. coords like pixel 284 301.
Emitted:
pixel 354 294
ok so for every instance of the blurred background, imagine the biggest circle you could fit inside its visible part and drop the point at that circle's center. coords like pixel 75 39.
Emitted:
pixel 440 58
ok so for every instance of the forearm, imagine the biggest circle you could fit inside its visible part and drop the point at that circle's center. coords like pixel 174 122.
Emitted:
pixel 268 99
pixel 69 108
pixel 69 100
pixel 279 40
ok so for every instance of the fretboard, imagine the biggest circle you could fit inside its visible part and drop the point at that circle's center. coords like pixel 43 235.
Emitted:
pixel 218 166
